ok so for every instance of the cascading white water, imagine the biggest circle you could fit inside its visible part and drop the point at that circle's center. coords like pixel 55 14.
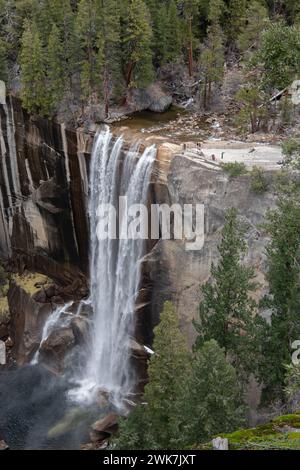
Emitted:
pixel 115 269
pixel 53 322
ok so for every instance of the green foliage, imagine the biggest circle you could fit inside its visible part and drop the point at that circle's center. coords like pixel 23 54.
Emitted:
pixel 259 183
pixel 3 61
pixel 167 30
pixel 227 312
pixel 55 67
pixel 256 21
pixel 292 381
pixel 33 71
pixel 283 227
pixel 291 151
pixel 3 281
pixel 212 399
pixel 212 61
pixel 109 51
pixel 250 98
pixel 236 13
pixel 234 169
pixel 279 55
pixel 152 426
pixel 87 30
pixel 137 41
pixel 269 436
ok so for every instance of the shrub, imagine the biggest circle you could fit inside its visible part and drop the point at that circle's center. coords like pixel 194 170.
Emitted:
pixel 259 182
pixel 235 169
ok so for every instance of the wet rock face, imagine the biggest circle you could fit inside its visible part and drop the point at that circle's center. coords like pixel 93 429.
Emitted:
pixel 27 319
pixel 44 184
pixel 54 350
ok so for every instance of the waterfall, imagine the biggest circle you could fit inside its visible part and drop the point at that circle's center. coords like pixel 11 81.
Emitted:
pixel 115 269
pixel 54 322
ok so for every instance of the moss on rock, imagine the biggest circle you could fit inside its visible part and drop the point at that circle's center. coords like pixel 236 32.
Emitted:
pixel 280 433
pixel 32 282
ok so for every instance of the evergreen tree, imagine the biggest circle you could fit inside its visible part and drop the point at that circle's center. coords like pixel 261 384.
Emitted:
pixel 167 30
pixel 227 312
pixel 283 255
pixel 191 9
pixel 56 72
pixel 211 398
pixel 212 61
pixel 235 20
pixel 109 50
pixel 250 98
pixel 3 61
pixel 152 425
pixel 87 28
pixel 173 33
pixel 33 71
pixel 279 56
pixel 136 38
pixel 256 21
pixel 64 17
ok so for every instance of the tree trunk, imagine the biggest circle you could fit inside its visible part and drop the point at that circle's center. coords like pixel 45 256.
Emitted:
pixel 106 93
pixel 205 94
pixel 191 60
pixel 128 80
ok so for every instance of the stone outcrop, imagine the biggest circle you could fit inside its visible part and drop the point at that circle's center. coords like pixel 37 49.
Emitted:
pixel 104 428
pixel 28 316
pixel 154 98
pixel 170 270
pixel 44 185
pixel 54 350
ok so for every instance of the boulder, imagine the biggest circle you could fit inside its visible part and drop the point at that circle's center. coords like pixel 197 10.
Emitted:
pixel 80 327
pixel 104 428
pixel 4 329
pixel 220 444
pixel 154 98
pixel 28 317
pixel 53 351
pixel 3 445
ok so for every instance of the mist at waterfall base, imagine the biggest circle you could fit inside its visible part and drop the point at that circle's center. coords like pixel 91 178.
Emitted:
pixel 115 270
pixel 33 400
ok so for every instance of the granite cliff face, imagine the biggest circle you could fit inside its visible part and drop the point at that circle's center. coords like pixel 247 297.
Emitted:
pixel 44 184
pixel 44 224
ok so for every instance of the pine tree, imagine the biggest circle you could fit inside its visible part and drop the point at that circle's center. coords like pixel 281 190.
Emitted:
pixel 236 19
pixel 152 425
pixel 167 30
pixel 283 256
pixel 137 38
pixel 211 399
pixel 227 311
pixel 279 56
pixel 212 61
pixel 64 18
pixel 256 21
pixel 33 71
pixel 109 51
pixel 173 35
pixel 56 72
pixel 3 61
pixel 191 9
pixel 87 29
